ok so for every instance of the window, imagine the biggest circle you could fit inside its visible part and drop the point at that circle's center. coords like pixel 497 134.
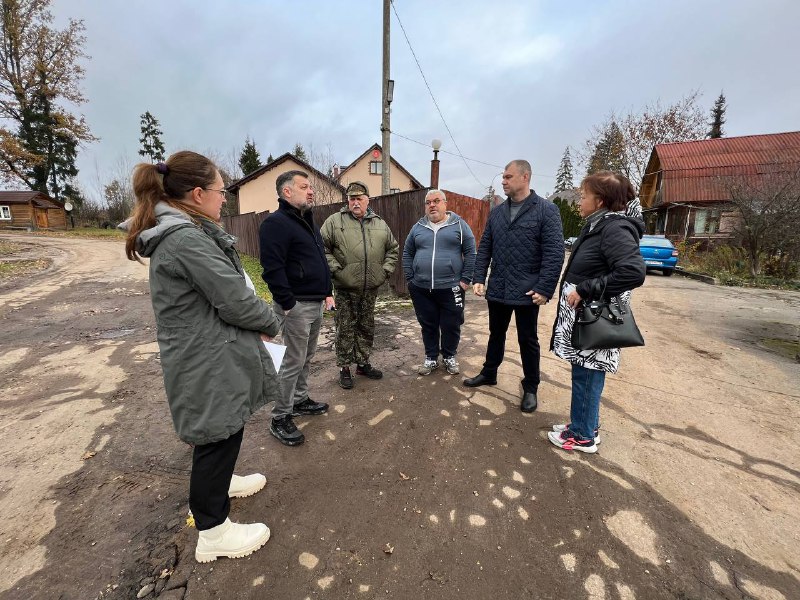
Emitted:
pixel 5 213
pixel 706 221
pixel 375 167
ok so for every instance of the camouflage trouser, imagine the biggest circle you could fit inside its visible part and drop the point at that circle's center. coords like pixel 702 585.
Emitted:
pixel 355 326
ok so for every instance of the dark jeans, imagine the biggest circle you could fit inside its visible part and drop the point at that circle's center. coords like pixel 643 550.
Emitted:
pixel 526 319
pixel 587 387
pixel 440 314
pixel 212 470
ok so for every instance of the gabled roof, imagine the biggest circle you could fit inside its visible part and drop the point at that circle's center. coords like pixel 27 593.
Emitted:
pixel 394 163
pixel 39 199
pixel 275 163
pixel 572 195
pixel 697 171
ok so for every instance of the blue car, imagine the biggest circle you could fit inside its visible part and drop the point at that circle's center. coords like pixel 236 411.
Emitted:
pixel 658 253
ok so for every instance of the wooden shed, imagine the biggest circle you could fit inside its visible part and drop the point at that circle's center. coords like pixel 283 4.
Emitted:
pixel 31 210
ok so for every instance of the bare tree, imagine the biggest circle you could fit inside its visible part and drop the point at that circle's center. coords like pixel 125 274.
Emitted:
pixel 641 130
pixel 323 160
pixel 769 216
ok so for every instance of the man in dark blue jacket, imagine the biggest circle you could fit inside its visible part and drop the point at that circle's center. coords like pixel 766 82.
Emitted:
pixel 524 245
pixel 296 271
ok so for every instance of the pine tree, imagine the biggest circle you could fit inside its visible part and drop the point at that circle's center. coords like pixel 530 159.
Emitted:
pixel 249 159
pixel 609 151
pixel 152 145
pixel 299 152
pixel 41 135
pixel 270 159
pixel 717 118
pixel 571 220
pixel 564 177
pixel 39 84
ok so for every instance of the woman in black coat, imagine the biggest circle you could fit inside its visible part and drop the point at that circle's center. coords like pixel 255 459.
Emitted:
pixel 605 259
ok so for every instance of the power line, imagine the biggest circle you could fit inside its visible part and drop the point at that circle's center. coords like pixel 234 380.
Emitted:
pixel 475 160
pixel 436 104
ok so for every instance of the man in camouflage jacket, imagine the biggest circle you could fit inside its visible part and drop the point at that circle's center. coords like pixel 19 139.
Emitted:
pixel 362 253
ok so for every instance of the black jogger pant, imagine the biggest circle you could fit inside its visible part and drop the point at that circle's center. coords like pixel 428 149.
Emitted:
pixel 212 470
pixel 440 314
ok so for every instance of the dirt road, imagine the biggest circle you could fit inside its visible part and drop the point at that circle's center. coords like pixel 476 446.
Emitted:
pixel 694 493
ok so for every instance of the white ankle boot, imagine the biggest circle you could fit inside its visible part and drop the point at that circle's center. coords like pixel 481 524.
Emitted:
pixel 241 487
pixel 231 540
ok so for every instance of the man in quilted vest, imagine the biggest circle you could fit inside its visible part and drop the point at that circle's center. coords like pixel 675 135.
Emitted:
pixel 362 253
pixel 524 245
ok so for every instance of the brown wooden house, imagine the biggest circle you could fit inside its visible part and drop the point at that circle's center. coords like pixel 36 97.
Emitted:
pixel 684 192
pixel 31 210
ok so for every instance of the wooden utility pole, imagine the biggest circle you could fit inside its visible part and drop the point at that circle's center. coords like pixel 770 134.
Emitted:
pixel 385 102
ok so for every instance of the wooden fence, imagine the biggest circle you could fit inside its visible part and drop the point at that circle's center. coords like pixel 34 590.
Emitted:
pixel 400 211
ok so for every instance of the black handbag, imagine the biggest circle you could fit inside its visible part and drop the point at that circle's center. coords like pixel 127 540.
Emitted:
pixel 604 324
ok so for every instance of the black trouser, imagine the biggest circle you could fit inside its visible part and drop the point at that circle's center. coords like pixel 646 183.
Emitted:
pixel 212 470
pixel 526 318
pixel 440 314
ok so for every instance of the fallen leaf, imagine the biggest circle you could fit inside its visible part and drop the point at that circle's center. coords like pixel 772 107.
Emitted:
pixel 404 477
pixel 88 455
pixel 388 549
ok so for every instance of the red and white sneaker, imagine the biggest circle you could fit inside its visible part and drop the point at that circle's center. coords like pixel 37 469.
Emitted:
pixel 566 441
pixel 562 426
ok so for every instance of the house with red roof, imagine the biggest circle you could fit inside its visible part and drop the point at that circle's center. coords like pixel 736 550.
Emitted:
pixel 685 191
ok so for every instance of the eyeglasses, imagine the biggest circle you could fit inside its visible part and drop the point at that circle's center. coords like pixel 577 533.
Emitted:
pixel 222 191
pixel 432 202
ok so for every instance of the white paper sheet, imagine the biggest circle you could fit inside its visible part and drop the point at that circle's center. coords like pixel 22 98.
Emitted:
pixel 276 352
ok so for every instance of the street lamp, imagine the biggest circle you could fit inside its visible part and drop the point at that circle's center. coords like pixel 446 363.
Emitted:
pixel 435 144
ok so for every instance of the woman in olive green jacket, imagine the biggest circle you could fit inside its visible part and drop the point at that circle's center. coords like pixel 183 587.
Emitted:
pixel 217 372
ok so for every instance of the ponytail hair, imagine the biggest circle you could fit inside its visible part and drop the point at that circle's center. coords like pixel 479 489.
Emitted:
pixel 168 182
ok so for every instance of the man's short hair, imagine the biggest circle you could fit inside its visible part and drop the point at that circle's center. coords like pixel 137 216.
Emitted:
pixel 285 178
pixel 523 165
pixel 439 192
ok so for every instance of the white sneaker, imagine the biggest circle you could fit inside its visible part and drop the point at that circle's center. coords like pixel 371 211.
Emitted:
pixel 562 426
pixel 451 365
pixel 565 441
pixel 242 487
pixel 428 367
pixel 231 540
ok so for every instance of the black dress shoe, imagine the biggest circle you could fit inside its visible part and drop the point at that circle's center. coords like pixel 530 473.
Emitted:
pixel 529 402
pixel 480 379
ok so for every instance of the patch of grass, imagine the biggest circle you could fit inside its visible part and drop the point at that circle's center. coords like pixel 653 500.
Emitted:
pixel 253 268
pixel 788 348
pixel 89 232
pixel 9 248
pixel 20 268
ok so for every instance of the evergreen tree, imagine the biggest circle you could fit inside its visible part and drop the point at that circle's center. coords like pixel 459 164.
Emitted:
pixel 609 151
pixel 571 220
pixel 270 159
pixel 152 145
pixel 717 118
pixel 56 148
pixel 249 160
pixel 39 137
pixel 299 152
pixel 564 177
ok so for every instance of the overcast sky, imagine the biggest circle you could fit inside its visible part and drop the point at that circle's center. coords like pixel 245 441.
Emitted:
pixel 514 79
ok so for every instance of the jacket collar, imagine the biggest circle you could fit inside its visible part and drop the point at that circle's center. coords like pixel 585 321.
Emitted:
pixel 525 205
pixel 451 218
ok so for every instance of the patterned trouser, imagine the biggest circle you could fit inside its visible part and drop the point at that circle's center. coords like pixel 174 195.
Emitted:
pixel 355 326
